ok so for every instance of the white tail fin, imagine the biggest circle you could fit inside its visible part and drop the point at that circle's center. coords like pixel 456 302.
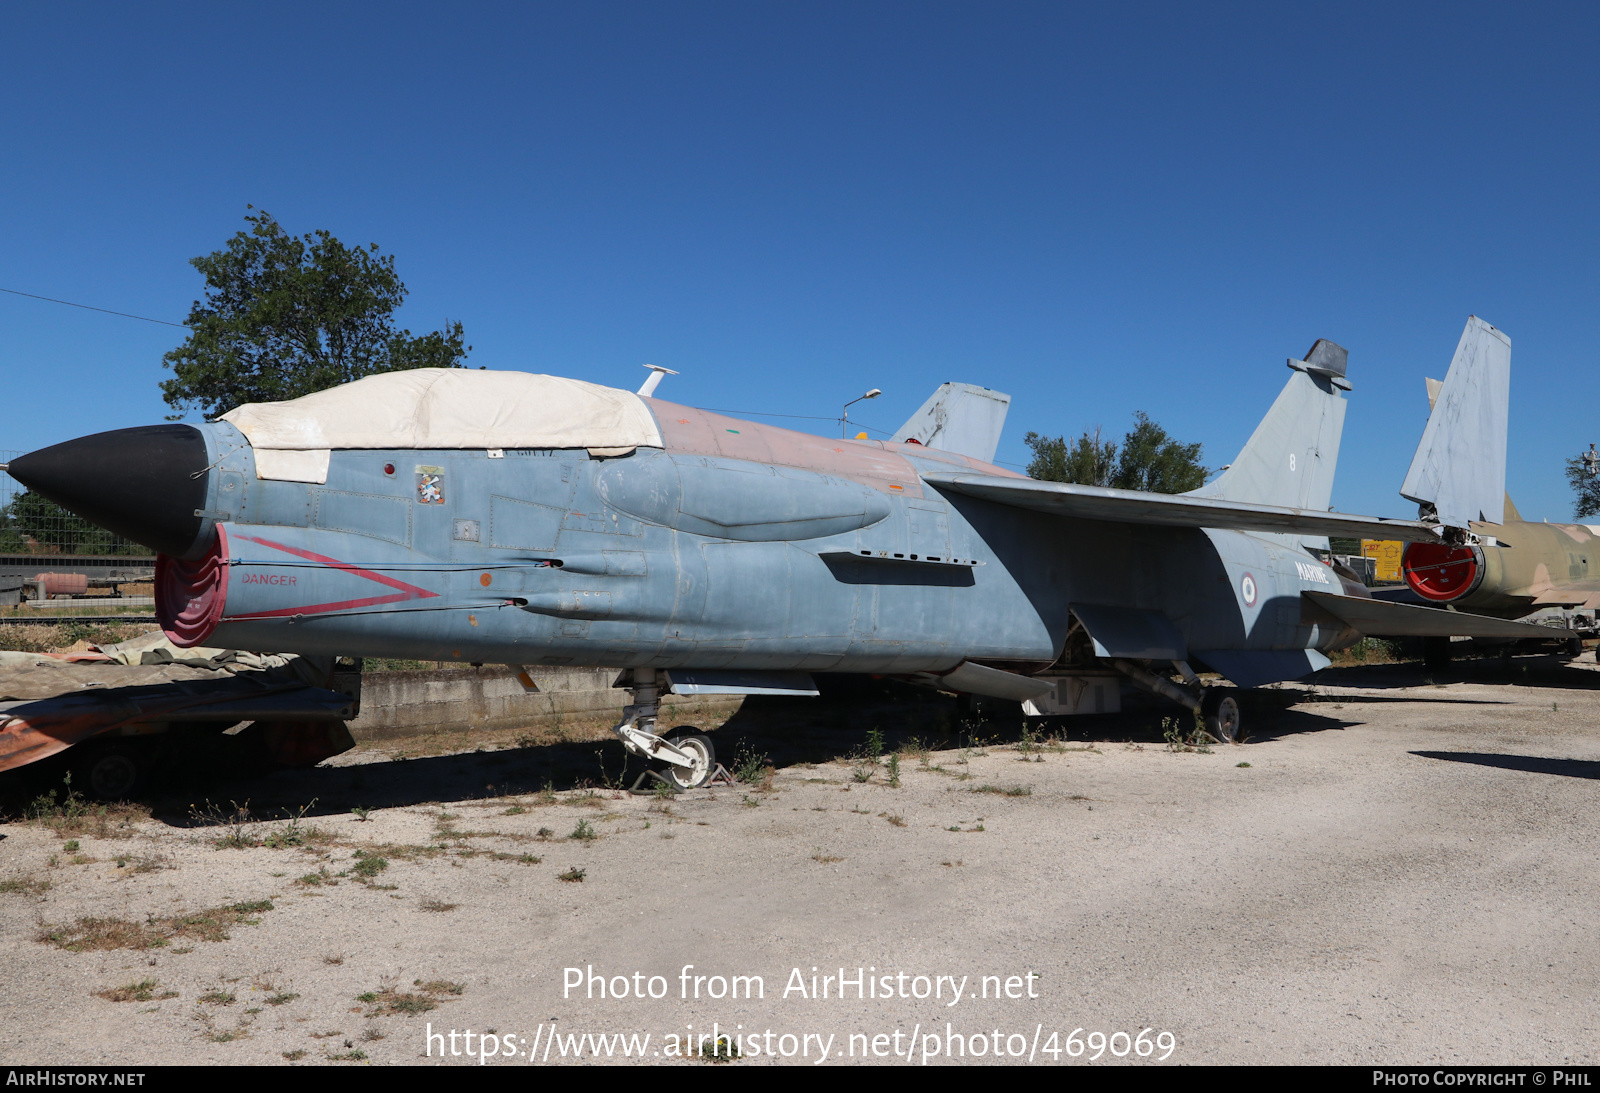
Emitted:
pixel 1459 470
pixel 961 418
pixel 1290 458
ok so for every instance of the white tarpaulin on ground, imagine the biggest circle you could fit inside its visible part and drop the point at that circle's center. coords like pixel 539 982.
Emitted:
pixel 452 408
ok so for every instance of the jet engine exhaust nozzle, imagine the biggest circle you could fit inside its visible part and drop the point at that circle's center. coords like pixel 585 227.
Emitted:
pixel 1440 572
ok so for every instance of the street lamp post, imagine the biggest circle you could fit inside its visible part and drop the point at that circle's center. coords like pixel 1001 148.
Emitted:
pixel 844 418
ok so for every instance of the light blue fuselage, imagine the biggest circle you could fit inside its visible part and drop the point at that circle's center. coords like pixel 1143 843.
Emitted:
pixel 671 559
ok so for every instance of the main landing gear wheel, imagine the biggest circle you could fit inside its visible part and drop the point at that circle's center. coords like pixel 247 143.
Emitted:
pixel 1219 710
pixel 698 747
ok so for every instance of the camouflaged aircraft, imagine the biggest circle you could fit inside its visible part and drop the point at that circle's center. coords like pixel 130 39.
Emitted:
pixel 1495 562
pixel 531 520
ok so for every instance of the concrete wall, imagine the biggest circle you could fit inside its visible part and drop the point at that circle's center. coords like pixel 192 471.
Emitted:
pixel 398 704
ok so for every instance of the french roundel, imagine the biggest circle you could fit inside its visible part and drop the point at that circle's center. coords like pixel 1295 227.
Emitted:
pixel 1247 590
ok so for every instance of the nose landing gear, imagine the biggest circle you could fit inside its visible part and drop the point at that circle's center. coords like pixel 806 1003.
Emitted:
pixel 688 758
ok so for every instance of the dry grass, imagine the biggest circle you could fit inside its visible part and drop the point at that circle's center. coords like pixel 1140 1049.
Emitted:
pixel 67 813
pixel 142 991
pixel 101 934
pixel 24 886
pixel 62 636
pixel 387 1000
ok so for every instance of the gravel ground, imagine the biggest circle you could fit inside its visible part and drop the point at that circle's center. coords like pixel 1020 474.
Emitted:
pixel 1391 870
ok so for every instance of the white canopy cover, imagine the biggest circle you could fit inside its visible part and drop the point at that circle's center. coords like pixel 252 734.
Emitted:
pixel 442 408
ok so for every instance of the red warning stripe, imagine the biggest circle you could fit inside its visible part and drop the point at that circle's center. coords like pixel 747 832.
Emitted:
pixel 407 591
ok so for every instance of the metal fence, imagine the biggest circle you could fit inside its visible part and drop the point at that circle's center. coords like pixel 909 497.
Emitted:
pixel 34 525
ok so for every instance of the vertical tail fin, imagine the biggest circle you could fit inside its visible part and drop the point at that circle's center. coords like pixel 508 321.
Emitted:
pixel 1291 457
pixel 1459 470
pixel 961 418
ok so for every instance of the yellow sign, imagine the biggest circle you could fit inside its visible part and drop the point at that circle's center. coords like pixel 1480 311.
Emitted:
pixel 1387 552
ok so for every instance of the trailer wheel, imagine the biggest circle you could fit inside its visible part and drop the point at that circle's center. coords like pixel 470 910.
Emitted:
pixel 1219 710
pixel 113 773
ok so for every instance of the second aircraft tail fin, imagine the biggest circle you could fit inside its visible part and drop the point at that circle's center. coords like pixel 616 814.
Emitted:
pixel 1459 471
pixel 961 418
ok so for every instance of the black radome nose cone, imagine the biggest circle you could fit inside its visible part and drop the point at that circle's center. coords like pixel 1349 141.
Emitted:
pixel 143 484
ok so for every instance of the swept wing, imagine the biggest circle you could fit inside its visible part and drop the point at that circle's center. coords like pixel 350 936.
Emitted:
pixel 1173 510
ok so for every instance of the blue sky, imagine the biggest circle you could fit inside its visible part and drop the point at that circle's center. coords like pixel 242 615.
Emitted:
pixel 1098 209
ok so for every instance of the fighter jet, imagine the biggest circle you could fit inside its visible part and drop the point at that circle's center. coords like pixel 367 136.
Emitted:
pixel 1494 563
pixel 532 520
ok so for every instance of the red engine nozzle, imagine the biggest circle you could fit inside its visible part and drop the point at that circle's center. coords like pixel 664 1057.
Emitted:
pixel 1440 571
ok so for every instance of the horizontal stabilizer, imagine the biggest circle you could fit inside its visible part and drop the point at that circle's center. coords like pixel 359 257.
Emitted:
pixel 1404 620
pixel 1173 510
pixel 1256 667
pixel 960 418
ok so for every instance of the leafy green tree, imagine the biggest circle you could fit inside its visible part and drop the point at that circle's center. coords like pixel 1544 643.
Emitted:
pixel 32 524
pixel 1152 461
pixel 288 315
pixel 1585 485
pixel 1147 459
pixel 1088 461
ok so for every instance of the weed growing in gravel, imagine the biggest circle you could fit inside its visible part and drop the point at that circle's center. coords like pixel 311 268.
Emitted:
pixel 1180 740
pixel 142 991
pixel 1013 791
pixel 894 771
pixel 368 865
pixel 427 996
pixel 573 875
pixel 241 833
pixel 724 1050
pixel 295 833
pixel 24 886
pixel 584 831
pixel 751 767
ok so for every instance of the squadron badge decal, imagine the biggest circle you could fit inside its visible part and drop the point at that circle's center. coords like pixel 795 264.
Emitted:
pixel 430 485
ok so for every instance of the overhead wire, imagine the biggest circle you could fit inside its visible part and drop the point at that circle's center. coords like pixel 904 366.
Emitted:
pixel 87 307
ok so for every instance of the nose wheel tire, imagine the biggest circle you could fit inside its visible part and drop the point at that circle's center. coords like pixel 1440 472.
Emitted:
pixel 698 747
pixel 1219 710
